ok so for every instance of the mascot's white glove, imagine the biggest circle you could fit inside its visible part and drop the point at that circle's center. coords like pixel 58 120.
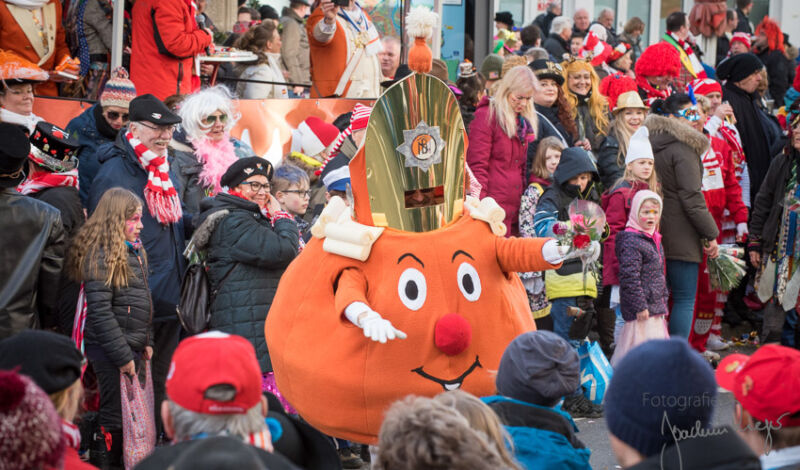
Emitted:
pixel 374 325
pixel 741 229
pixel 554 253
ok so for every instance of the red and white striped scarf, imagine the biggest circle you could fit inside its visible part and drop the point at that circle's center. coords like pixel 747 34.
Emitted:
pixel 697 66
pixel 44 180
pixel 159 193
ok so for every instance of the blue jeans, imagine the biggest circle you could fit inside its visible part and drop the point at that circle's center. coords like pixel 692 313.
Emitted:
pixel 682 282
pixel 561 321
pixel 618 324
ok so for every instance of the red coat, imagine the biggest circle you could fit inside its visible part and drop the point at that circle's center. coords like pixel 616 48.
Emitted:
pixel 616 203
pixel 498 163
pixel 161 57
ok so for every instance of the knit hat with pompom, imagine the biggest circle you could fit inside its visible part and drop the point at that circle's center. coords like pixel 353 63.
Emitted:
pixel 119 89
pixel 30 429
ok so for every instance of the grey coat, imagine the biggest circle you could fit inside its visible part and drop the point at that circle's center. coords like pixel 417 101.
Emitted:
pixel 294 47
pixel 685 220
pixel 97 27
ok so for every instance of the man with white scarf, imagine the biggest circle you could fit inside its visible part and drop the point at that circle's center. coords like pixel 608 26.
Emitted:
pixel 32 29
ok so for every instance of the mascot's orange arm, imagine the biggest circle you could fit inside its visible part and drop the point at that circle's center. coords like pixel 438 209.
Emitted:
pixel 522 254
pixel 351 287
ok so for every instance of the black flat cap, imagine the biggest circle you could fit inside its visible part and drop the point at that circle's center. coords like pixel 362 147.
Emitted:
pixel 50 359
pixel 151 109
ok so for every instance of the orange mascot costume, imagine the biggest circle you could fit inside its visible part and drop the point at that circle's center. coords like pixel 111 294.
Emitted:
pixel 409 289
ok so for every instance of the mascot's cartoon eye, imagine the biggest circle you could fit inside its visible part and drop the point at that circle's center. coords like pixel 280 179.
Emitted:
pixel 469 282
pixel 412 288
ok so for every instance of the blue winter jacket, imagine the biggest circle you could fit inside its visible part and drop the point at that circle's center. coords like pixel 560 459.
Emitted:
pixel 84 128
pixel 543 437
pixel 119 167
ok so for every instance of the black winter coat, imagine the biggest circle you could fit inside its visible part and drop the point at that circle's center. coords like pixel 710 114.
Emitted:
pixel 556 46
pixel 768 206
pixel 31 254
pixel 164 244
pixel 244 246
pixel 68 202
pixel 119 319
pixel 778 70
pixel 607 157
pixel 685 217
pixel 722 451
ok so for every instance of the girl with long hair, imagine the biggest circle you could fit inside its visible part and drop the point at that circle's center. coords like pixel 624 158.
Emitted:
pixel 203 148
pixel 548 154
pixel 499 136
pixel 263 40
pixel 108 258
pixel 588 107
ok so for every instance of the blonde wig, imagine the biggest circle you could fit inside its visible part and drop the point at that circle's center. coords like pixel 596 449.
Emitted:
pixel 520 79
pixel 598 105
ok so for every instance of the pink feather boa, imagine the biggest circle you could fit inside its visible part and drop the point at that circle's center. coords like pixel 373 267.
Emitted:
pixel 216 157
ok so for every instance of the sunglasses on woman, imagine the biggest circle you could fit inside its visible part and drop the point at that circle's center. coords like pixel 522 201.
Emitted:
pixel 212 119
pixel 690 114
pixel 114 115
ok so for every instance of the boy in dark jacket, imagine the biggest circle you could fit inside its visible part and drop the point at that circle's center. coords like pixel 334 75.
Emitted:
pixel 537 369
pixel 575 178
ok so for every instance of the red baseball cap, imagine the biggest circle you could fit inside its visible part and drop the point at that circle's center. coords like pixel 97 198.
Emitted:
pixel 209 359
pixel 767 384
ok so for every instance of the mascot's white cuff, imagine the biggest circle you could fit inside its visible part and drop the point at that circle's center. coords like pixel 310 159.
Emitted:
pixel 352 311
pixel 551 252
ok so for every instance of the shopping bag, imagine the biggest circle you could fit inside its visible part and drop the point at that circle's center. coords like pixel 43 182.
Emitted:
pixel 138 422
pixel 596 372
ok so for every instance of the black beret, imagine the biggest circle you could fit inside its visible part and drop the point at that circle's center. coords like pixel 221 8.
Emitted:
pixel 50 359
pixel 245 168
pixel 151 109
pixel 13 154
pixel 738 67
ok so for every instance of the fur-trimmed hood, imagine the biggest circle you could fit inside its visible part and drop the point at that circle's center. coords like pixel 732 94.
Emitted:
pixel 677 131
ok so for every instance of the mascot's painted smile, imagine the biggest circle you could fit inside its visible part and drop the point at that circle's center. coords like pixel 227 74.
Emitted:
pixel 448 385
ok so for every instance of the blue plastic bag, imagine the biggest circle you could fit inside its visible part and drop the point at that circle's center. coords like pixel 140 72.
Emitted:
pixel 596 371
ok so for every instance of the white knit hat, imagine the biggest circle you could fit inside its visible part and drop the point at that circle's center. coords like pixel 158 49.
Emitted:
pixel 639 146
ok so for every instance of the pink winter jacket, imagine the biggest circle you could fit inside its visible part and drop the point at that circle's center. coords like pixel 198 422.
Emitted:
pixel 499 163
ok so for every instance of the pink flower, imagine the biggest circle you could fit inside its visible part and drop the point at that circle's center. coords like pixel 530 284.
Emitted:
pixel 581 241
pixel 577 219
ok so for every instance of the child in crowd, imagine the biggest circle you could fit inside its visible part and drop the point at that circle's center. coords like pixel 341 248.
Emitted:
pixel 537 369
pixel 472 86
pixel 722 191
pixel 548 154
pixel 639 174
pixel 642 282
pixel 290 186
pixel 566 287
pixel 108 258
pixel 481 418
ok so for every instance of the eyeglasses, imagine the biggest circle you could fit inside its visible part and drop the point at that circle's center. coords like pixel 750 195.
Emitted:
pixel 212 119
pixel 299 192
pixel 114 115
pixel 159 129
pixel 690 114
pixel 255 186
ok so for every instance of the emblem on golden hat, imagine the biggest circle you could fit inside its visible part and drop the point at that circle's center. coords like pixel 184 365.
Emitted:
pixel 414 155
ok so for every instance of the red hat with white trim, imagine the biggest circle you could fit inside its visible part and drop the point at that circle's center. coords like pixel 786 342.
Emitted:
pixel 743 38
pixel 594 49
pixel 704 86
pixel 618 51
pixel 215 373
pixel 314 135
pixel 766 384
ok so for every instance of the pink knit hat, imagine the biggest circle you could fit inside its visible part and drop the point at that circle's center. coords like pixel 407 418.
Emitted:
pixel 30 429
pixel 119 89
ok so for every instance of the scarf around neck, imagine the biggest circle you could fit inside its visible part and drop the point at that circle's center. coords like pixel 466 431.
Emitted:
pixel 652 92
pixel 29 122
pixel 216 157
pixel 688 58
pixel 45 179
pixel 103 127
pixel 159 193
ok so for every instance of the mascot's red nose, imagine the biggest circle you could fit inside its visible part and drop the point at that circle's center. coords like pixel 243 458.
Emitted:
pixel 452 334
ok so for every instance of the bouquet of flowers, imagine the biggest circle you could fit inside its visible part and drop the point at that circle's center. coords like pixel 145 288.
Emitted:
pixel 587 224
pixel 726 271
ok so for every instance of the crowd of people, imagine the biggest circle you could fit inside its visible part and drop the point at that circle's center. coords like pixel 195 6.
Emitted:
pixel 106 217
